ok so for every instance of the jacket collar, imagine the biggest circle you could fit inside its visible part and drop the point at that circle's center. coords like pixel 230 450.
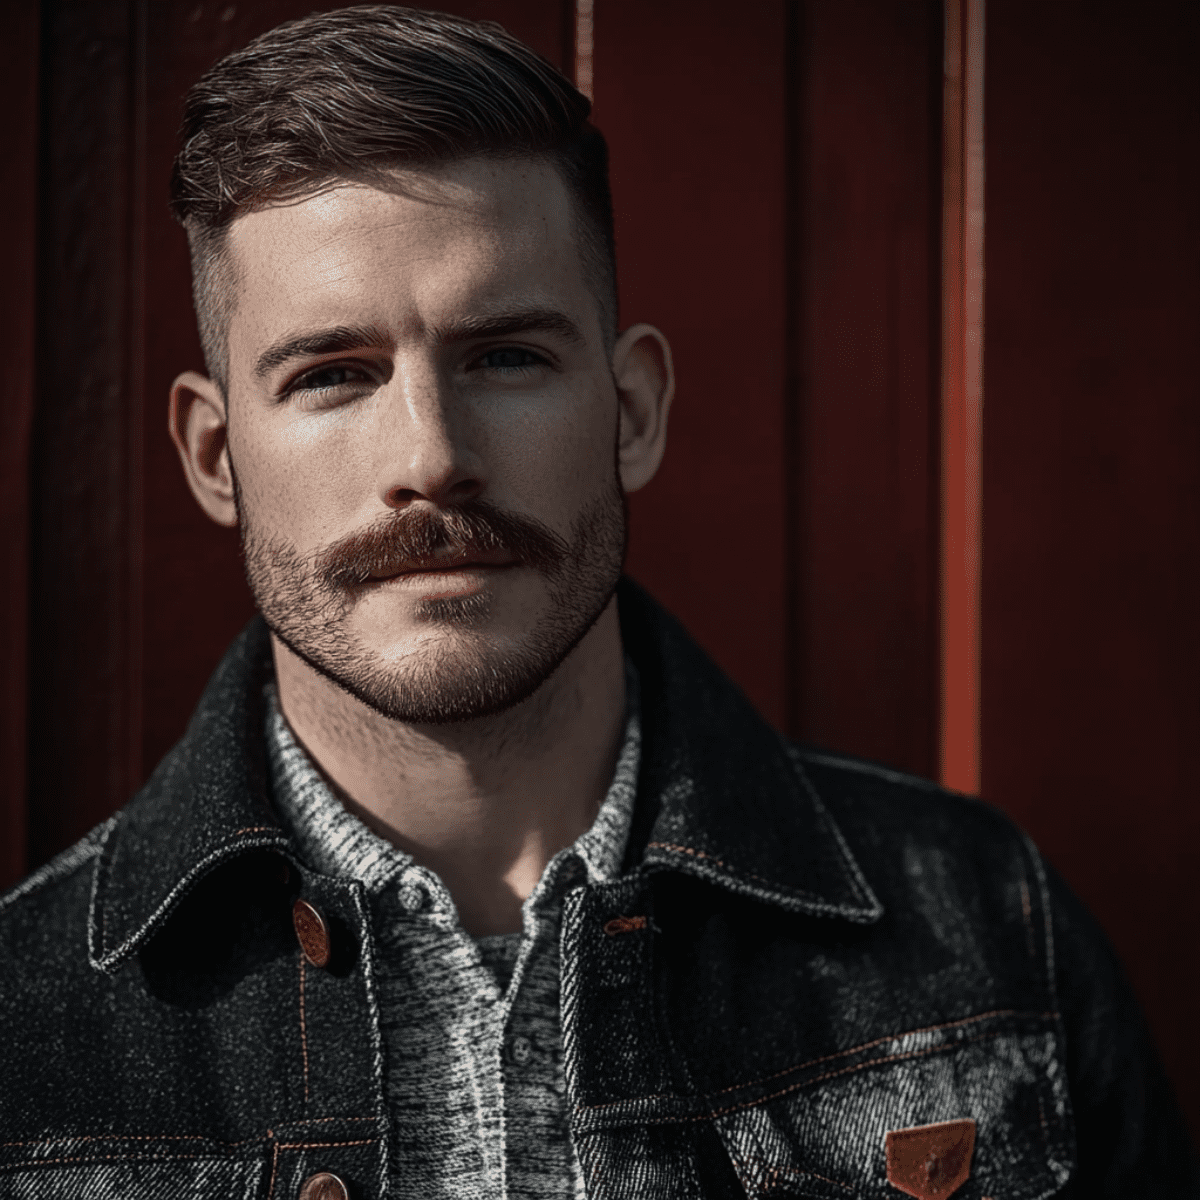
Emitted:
pixel 719 795
pixel 206 802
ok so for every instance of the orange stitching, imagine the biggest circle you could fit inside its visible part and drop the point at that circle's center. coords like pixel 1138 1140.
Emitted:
pixel 323 1145
pixel 624 925
pixel 303 1029
pixel 774 1171
pixel 720 863
pixel 274 1168
pixel 328 1120
pixel 689 850
pixel 720 1112
pixel 816 1062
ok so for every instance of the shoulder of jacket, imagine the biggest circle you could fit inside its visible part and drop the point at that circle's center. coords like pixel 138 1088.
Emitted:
pixel 62 868
pixel 860 792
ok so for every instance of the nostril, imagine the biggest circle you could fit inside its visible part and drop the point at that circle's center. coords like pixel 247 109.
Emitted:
pixel 465 489
pixel 400 497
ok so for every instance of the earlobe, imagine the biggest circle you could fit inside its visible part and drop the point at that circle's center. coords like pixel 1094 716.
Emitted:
pixel 197 423
pixel 645 380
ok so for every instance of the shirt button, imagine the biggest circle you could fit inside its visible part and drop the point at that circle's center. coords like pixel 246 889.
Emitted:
pixel 323 1186
pixel 412 897
pixel 520 1049
pixel 313 935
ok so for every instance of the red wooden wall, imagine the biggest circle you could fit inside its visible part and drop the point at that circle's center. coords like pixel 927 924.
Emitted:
pixel 777 176
pixel 1091 458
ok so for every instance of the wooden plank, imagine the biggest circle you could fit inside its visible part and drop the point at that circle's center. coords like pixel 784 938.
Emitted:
pixel 962 392
pixel 18 215
pixel 1091 580
pixel 690 94
pixel 864 461
pixel 84 524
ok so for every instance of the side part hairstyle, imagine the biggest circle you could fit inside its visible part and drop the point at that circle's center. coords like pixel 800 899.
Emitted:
pixel 350 94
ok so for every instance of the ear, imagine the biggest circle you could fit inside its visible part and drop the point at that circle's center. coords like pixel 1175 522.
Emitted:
pixel 645 379
pixel 197 422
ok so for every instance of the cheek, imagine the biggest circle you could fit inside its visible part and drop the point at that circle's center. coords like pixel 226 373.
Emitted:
pixel 556 459
pixel 298 478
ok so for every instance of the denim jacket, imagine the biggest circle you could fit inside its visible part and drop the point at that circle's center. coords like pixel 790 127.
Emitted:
pixel 808 962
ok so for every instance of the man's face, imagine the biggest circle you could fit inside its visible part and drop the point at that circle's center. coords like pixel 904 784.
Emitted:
pixel 422 426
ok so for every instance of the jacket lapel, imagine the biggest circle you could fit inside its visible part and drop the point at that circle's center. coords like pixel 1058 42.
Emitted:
pixel 721 797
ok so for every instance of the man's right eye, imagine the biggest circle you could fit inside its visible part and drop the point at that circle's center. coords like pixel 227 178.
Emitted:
pixel 324 379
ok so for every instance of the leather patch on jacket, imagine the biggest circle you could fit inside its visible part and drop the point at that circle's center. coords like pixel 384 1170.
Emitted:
pixel 930 1161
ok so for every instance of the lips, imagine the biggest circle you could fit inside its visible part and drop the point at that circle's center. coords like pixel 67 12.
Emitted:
pixel 441 563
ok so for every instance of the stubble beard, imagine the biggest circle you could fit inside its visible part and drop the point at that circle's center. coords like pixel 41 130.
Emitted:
pixel 461 673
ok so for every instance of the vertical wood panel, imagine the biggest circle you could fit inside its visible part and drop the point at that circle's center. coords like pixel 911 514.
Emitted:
pixel 962 391
pixel 18 217
pixel 84 735
pixel 866 461
pixel 690 94
pixel 1091 644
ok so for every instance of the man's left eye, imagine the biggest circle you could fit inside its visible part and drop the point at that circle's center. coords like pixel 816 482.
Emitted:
pixel 509 358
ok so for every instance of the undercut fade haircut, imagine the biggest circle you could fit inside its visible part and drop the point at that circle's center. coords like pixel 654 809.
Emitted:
pixel 354 93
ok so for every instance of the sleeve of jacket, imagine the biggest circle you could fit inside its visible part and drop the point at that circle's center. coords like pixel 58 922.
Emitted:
pixel 1130 1134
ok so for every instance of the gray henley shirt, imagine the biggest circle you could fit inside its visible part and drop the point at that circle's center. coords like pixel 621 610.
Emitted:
pixel 473 1061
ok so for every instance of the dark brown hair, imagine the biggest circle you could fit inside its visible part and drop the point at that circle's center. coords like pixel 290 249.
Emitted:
pixel 351 93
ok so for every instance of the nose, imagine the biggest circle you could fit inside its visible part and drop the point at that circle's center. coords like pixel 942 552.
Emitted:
pixel 424 447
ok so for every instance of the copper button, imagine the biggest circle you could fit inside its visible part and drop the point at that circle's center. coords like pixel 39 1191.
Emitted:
pixel 323 1186
pixel 313 935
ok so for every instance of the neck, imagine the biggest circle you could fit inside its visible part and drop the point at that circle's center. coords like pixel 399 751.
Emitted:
pixel 485 803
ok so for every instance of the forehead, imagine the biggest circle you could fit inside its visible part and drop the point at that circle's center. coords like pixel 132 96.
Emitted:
pixel 417 248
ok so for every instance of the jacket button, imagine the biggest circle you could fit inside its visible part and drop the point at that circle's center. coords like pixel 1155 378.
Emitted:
pixel 323 1186
pixel 313 936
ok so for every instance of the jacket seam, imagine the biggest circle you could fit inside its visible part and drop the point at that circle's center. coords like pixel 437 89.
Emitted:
pixel 774 1169
pixel 173 1137
pixel 381 1114
pixel 62 866
pixel 811 899
pixel 804 1083
pixel 96 1158
pixel 303 1029
pixel 305 1146
pixel 816 1062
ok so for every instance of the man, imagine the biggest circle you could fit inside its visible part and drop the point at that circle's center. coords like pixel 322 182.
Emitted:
pixel 473 876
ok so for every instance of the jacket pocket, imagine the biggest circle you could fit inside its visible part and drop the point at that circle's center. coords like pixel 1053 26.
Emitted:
pixel 821 1129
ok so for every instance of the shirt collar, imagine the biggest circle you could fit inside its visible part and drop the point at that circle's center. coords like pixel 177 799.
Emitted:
pixel 719 795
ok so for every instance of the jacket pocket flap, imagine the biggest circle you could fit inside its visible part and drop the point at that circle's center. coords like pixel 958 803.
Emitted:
pixel 979 1118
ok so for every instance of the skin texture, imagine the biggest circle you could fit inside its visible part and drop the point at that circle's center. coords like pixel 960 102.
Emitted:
pixel 422 411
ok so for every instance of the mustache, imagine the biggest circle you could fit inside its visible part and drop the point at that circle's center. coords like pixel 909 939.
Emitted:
pixel 408 539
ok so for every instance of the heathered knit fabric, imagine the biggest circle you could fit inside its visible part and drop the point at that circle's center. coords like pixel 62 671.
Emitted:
pixel 471 1032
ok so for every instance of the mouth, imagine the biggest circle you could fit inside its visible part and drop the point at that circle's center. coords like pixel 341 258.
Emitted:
pixel 460 566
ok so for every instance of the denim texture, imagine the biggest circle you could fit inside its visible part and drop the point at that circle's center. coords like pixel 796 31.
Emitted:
pixel 814 952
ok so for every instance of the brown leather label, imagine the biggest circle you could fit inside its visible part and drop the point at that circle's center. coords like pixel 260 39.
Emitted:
pixel 930 1161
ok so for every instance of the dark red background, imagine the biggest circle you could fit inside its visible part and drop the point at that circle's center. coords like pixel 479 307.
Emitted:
pixel 776 170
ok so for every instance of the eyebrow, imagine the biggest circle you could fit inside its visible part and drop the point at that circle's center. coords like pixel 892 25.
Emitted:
pixel 324 341
pixel 355 337
pixel 505 324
